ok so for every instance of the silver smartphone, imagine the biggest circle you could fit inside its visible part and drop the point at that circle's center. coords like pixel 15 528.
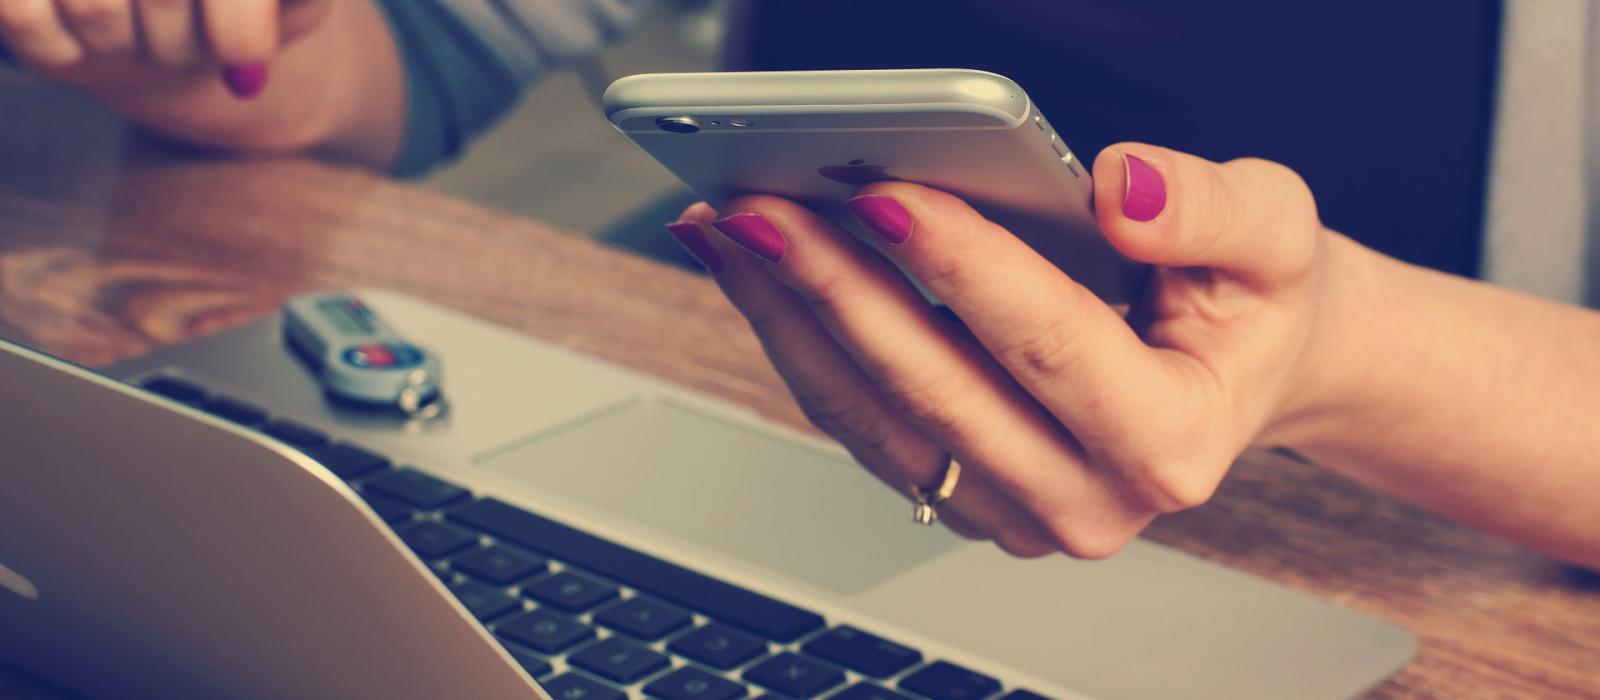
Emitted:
pixel 816 136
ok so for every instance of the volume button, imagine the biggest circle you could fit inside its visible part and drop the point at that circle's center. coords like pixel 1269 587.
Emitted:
pixel 1072 165
pixel 1060 147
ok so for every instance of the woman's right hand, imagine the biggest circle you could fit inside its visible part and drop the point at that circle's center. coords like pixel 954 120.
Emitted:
pixel 1076 427
pixel 129 47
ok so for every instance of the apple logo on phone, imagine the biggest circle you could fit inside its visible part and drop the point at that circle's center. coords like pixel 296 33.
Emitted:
pixel 17 583
pixel 857 172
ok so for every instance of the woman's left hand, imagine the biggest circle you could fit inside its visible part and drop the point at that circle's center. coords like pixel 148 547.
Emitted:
pixel 129 48
pixel 1075 427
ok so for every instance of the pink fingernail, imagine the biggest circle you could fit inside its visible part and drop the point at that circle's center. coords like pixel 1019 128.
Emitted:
pixel 694 240
pixel 245 80
pixel 1145 194
pixel 755 234
pixel 883 215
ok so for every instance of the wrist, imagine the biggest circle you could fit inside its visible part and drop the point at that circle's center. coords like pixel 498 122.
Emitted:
pixel 1340 368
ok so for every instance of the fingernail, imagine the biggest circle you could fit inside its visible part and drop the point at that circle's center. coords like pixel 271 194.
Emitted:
pixel 694 240
pixel 884 216
pixel 755 234
pixel 245 80
pixel 1145 194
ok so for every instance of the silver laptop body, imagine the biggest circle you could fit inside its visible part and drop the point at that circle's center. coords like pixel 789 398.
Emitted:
pixel 150 549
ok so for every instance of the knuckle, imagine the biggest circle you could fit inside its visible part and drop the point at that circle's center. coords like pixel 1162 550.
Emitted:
pixel 1260 201
pixel 824 291
pixel 929 400
pixel 1047 350
pixel 855 423
pixel 1093 548
pixel 1086 543
pixel 1183 494
pixel 944 274
pixel 1170 486
pixel 764 321
pixel 1291 194
pixel 1267 170
pixel 1022 545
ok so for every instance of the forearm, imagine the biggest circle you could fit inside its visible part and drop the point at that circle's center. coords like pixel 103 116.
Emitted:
pixel 1476 402
pixel 339 90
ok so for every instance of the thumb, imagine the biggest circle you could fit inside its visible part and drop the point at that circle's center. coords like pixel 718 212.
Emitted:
pixel 1250 217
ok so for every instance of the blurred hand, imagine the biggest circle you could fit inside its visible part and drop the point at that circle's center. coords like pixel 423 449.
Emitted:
pixel 126 47
pixel 1076 427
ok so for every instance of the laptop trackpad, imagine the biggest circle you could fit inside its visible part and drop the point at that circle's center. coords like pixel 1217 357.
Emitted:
pixel 777 503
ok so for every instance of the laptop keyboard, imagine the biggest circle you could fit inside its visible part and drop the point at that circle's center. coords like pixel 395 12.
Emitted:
pixel 594 620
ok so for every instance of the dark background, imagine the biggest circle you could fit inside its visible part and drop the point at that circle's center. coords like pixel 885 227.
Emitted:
pixel 1384 107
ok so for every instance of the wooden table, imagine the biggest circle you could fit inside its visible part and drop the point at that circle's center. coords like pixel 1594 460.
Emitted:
pixel 108 251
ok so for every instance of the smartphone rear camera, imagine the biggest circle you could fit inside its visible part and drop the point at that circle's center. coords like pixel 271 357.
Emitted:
pixel 678 125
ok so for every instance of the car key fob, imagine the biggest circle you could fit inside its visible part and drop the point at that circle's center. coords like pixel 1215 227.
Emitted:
pixel 359 358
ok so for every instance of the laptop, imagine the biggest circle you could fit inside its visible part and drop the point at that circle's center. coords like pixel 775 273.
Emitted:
pixel 204 523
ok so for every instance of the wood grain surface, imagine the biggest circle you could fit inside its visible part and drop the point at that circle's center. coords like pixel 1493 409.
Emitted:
pixel 110 248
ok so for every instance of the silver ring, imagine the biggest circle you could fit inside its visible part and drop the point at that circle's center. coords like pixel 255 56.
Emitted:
pixel 925 510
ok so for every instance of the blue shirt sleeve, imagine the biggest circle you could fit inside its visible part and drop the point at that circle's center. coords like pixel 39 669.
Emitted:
pixel 467 61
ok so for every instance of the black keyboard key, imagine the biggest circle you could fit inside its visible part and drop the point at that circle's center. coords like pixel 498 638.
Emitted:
pixel 619 660
pixel 544 631
pixel 418 489
pixel 235 411
pixel 867 691
pixel 389 510
pixel 346 461
pixel 1020 694
pixel 943 680
pixel 571 686
pixel 176 389
pixel 718 599
pixel 533 664
pixel 296 434
pixel 569 591
pixel 484 602
pixel 499 565
pixel 719 646
pixel 431 540
pixel 862 652
pixel 794 675
pixel 643 618
pixel 690 683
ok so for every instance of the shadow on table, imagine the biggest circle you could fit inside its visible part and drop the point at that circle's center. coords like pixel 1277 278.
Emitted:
pixel 643 230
